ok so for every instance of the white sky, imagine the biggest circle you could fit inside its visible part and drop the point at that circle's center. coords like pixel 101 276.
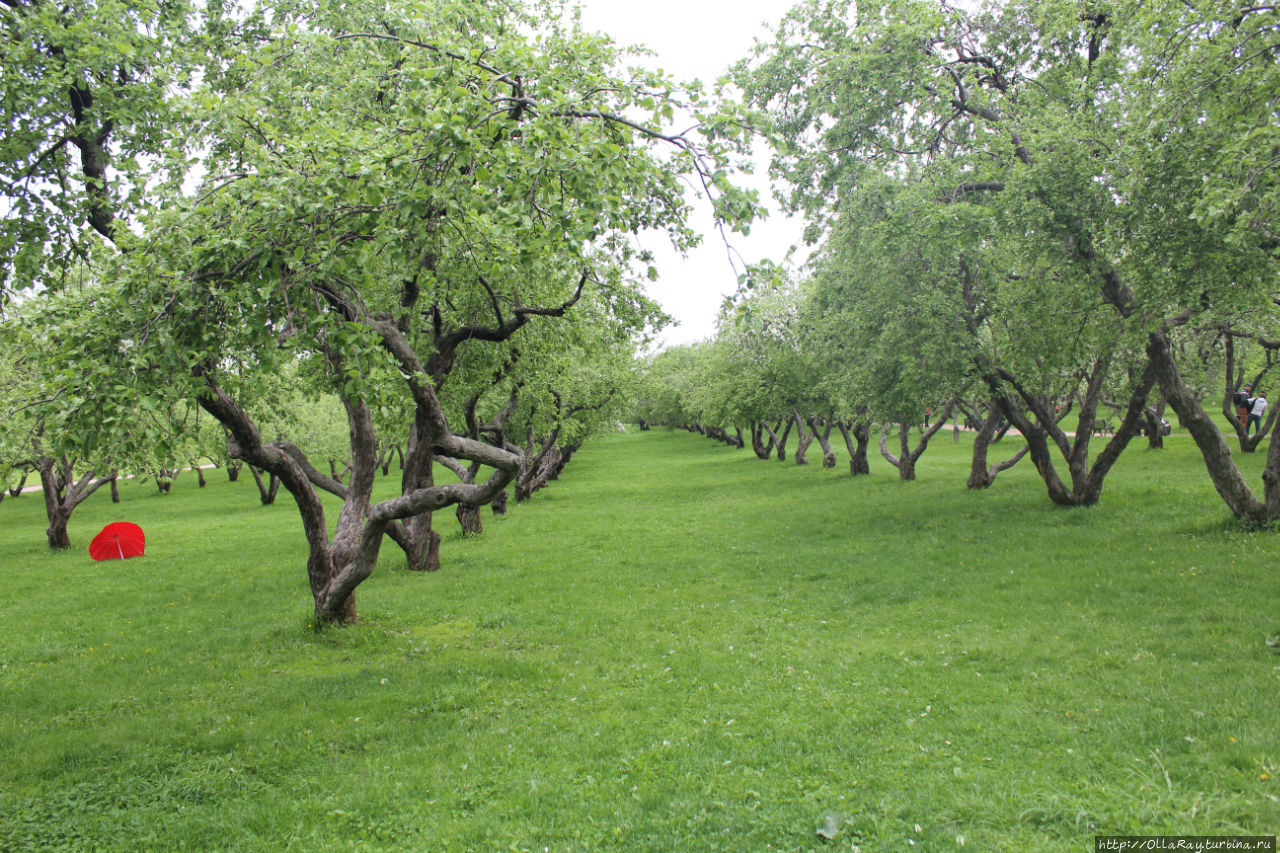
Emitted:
pixel 699 39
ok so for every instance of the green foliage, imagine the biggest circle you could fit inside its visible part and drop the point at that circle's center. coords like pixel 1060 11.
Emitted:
pixel 1021 193
pixel 73 390
pixel 449 169
pixel 86 122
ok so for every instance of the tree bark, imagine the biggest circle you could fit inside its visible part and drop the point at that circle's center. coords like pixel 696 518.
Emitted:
pixel 1235 378
pixel 266 492
pixel 469 520
pixel 781 443
pixel 63 493
pixel 906 461
pixel 421 543
pixel 539 470
pixel 1226 477
pixel 981 475
pixel 335 569
pixel 803 438
pixel 759 446
pixel 1155 424
pixel 56 532
pixel 823 437
pixel 1086 479
pixel 856 439
pixel 905 464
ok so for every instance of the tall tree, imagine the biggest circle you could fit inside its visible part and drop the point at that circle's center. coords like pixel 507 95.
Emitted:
pixel 385 190
pixel 1011 107
pixel 86 122
pixel 1206 149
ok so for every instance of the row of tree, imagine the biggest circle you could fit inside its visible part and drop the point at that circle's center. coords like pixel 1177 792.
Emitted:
pixel 422 212
pixel 1058 216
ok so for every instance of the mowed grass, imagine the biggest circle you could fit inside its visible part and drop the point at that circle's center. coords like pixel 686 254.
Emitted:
pixel 675 647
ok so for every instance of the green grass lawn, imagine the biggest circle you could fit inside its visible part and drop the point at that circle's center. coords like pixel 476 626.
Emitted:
pixel 676 647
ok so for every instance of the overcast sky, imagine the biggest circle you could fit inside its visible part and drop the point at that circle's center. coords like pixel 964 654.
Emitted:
pixel 698 39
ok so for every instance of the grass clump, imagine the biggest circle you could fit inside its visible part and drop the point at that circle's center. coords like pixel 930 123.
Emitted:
pixel 675 647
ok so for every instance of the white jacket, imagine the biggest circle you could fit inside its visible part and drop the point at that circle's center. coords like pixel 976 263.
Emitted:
pixel 1259 406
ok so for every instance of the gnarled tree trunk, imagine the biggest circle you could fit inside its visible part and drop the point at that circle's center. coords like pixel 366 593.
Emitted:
pixel 759 446
pixel 906 461
pixel 266 491
pixel 419 542
pixel 336 568
pixel 1235 378
pixel 1154 418
pixel 1086 479
pixel 803 438
pixel 63 493
pixel 981 475
pixel 856 438
pixel 781 442
pixel 1226 477
pixel 823 436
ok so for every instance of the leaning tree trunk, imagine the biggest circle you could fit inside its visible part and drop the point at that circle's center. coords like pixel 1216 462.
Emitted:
pixel 266 492
pixel 562 461
pixel 1235 378
pixel 1226 477
pixel 823 437
pixel 245 445
pixel 62 494
pixel 759 446
pixel 803 438
pixel 781 443
pixel 1086 479
pixel 421 543
pixel 906 462
pixel 536 475
pixel 856 439
pixel 981 475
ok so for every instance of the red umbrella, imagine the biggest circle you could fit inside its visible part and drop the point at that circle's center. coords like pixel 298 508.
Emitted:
pixel 118 540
